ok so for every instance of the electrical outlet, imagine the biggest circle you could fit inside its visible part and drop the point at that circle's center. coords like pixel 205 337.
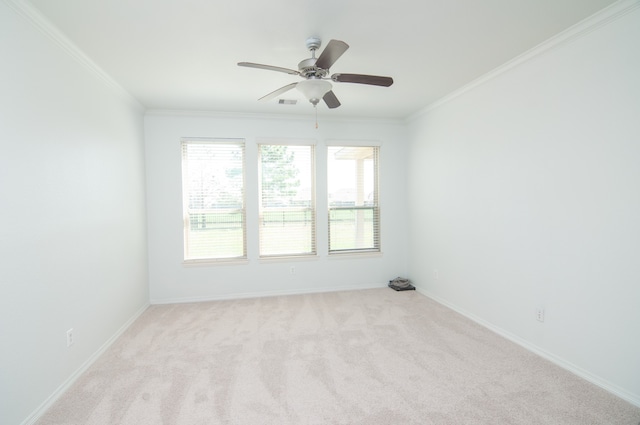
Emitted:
pixel 70 337
pixel 292 270
pixel 540 314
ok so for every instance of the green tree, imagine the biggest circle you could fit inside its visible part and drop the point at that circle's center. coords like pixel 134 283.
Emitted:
pixel 279 174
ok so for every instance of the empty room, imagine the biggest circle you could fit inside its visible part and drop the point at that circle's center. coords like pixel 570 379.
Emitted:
pixel 205 207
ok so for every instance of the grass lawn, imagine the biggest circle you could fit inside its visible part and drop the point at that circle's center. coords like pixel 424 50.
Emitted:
pixel 282 232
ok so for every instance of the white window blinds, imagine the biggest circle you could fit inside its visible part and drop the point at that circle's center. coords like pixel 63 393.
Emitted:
pixel 354 216
pixel 287 200
pixel 213 199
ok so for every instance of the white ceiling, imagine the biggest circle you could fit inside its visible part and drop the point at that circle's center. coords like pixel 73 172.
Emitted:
pixel 182 54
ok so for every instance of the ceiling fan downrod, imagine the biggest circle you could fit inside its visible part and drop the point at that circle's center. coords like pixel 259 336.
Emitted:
pixel 313 44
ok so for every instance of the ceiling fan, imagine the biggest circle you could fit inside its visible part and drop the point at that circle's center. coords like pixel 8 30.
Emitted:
pixel 315 72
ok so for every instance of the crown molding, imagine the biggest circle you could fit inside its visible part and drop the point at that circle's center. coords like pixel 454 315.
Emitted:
pixel 597 20
pixel 46 27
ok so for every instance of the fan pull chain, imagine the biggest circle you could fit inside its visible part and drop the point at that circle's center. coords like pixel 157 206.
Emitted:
pixel 316 108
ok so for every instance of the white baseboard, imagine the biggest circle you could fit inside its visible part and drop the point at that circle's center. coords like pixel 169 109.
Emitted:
pixel 577 370
pixel 75 375
pixel 276 293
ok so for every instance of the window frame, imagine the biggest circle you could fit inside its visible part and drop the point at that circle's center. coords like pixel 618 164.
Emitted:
pixel 187 212
pixel 358 209
pixel 312 208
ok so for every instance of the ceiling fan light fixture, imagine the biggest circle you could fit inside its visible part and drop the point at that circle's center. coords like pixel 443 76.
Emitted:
pixel 314 89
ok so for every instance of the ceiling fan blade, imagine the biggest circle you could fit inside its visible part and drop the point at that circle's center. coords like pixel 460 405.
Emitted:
pixel 374 80
pixel 331 100
pixel 278 92
pixel 331 53
pixel 269 67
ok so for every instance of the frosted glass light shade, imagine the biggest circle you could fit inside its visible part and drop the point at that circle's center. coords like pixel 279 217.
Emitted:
pixel 314 89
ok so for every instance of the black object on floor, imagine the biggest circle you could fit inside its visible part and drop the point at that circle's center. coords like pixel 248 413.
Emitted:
pixel 401 284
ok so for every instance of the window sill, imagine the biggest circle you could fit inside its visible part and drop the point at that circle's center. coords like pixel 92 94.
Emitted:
pixel 210 262
pixel 353 255
pixel 288 259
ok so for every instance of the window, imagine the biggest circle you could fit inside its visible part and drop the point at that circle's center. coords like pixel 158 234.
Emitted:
pixel 213 199
pixel 354 216
pixel 287 200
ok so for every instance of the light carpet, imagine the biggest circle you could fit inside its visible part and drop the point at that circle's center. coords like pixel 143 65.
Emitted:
pixel 355 357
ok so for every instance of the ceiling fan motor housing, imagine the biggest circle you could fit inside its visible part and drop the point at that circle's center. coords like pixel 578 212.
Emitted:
pixel 308 69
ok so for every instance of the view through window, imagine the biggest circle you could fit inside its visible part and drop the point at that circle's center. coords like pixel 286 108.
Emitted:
pixel 287 201
pixel 354 218
pixel 213 199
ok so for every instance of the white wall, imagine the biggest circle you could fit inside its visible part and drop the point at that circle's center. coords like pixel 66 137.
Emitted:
pixel 72 218
pixel 171 281
pixel 525 192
